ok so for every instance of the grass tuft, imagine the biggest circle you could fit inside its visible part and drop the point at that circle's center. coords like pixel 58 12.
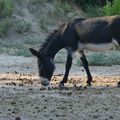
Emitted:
pixel 22 27
pixel 23 52
pixel 6 11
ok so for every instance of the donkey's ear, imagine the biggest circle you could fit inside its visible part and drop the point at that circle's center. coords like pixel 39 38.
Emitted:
pixel 34 52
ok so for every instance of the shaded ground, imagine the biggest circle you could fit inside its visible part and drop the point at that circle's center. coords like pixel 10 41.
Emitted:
pixel 23 98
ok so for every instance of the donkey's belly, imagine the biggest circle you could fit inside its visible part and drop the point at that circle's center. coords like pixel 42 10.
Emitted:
pixel 96 47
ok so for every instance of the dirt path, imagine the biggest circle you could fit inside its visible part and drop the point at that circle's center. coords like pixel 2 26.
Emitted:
pixel 23 98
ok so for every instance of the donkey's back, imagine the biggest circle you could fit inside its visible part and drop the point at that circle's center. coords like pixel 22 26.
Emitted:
pixel 98 30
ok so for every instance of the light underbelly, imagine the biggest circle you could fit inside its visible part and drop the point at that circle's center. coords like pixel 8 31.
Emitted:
pixel 96 47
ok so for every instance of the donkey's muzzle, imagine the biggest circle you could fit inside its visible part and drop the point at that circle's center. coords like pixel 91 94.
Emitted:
pixel 44 81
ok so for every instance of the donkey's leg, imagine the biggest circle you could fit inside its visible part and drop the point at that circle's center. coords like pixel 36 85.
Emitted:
pixel 67 69
pixel 85 64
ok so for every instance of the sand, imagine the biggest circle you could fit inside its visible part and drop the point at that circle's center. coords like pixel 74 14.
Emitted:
pixel 23 98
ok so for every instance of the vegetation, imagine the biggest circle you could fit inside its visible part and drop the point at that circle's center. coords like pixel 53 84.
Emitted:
pixel 6 8
pixel 22 27
pixel 5 24
pixel 23 52
pixel 46 15
pixel 112 8
pixel 102 59
pixel 54 11
pixel 107 58
pixel 83 3
pixel 6 11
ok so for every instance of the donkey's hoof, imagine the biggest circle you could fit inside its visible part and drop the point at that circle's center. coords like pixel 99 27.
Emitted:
pixel 61 85
pixel 89 84
pixel 118 84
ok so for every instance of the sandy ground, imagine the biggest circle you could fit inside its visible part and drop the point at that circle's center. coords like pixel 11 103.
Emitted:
pixel 23 98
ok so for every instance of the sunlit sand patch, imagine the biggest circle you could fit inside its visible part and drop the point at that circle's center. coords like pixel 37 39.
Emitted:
pixel 81 80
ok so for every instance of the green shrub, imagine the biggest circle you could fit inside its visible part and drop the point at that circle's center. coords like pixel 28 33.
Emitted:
pixel 22 26
pixel 102 59
pixel 44 21
pixel 23 52
pixel 112 9
pixel 86 2
pixel 10 44
pixel 99 59
pixel 4 26
pixel 37 1
pixel 93 11
pixel 31 41
pixel 67 7
pixel 6 10
pixel 83 3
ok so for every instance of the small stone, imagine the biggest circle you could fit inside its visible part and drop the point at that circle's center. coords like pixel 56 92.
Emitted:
pixel 111 117
pixel 49 88
pixel 17 118
pixel 85 87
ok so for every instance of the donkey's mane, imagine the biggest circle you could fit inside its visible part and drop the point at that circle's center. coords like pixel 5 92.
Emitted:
pixel 49 38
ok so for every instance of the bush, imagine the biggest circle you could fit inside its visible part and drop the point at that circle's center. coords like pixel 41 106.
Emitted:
pixel 112 8
pixel 22 27
pixel 6 10
pixel 83 3
pixel 93 11
pixel 102 59
pixel 23 52
pixel 4 26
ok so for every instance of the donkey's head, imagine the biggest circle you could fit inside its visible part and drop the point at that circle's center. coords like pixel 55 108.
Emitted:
pixel 46 67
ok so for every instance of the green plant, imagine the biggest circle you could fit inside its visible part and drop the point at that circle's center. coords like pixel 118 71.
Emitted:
pixel 44 20
pixel 4 26
pixel 38 1
pixel 99 59
pixel 10 44
pixel 102 59
pixel 6 10
pixel 83 3
pixel 93 11
pixel 66 6
pixel 22 26
pixel 112 9
pixel 23 52
pixel 31 41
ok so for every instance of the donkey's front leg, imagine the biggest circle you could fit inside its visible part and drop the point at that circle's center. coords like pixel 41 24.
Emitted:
pixel 67 69
pixel 85 64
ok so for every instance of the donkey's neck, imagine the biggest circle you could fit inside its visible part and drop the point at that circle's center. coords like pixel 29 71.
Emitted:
pixel 53 47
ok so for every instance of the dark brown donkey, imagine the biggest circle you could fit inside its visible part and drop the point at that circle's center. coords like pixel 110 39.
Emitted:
pixel 93 34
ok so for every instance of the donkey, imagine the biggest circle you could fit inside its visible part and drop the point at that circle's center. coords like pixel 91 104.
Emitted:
pixel 92 34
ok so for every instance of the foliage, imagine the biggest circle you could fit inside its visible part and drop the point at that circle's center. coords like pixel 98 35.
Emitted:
pixel 112 8
pixel 23 52
pixel 22 27
pixel 54 11
pixel 99 59
pixel 83 3
pixel 93 11
pixel 86 2
pixel 102 59
pixel 4 25
pixel 6 10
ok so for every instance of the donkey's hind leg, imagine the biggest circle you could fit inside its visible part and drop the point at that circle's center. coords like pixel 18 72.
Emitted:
pixel 67 69
pixel 85 64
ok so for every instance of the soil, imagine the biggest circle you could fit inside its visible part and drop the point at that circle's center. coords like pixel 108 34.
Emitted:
pixel 23 98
